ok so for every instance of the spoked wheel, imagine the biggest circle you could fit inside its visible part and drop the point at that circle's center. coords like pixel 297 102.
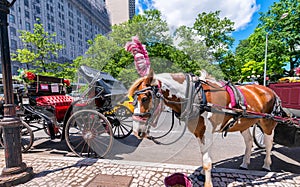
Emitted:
pixel 88 134
pixel 258 136
pixel 26 137
pixel 57 129
pixel 122 125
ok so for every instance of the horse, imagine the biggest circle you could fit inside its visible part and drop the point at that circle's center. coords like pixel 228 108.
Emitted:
pixel 206 105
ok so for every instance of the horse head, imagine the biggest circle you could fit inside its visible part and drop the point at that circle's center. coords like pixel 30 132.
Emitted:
pixel 147 104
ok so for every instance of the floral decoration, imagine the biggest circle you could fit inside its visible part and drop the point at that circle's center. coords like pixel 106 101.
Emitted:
pixel 26 76
pixel 67 82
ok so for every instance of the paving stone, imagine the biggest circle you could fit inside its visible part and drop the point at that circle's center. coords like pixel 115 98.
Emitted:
pixel 75 172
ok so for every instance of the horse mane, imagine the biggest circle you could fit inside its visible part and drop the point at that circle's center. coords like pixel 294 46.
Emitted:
pixel 135 85
pixel 207 77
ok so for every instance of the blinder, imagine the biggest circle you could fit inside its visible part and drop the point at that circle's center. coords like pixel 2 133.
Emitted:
pixel 154 91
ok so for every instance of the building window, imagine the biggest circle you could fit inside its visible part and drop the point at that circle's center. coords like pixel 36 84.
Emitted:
pixel 26 14
pixel 71 22
pixel 27 26
pixel 26 3
pixel 78 20
pixel 79 35
pixel 79 28
pixel 13 44
pixel 70 14
pixel 78 13
pixel 12 19
pixel 38 9
pixel 15 70
pixel 13 31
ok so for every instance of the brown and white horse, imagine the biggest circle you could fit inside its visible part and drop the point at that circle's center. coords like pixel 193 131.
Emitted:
pixel 205 105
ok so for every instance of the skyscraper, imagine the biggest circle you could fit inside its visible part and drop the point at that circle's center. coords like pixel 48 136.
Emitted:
pixel 74 22
pixel 120 10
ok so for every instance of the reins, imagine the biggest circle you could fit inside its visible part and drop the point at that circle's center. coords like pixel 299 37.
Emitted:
pixel 154 139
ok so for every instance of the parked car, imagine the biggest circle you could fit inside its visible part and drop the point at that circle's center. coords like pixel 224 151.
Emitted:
pixel 289 79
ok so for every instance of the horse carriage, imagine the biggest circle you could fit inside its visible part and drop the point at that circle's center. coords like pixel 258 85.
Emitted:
pixel 287 131
pixel 209 106
pixel 88 124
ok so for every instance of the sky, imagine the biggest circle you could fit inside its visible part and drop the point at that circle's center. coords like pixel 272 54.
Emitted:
pixel 244 13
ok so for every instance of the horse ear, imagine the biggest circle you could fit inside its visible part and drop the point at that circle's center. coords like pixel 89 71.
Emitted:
pixel 151 73
pixel 150 76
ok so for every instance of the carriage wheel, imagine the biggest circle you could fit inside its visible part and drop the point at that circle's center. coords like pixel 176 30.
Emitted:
pixel 88 134
pixel 57 129
pixel 122 125
pixel 26 137
pixel 258 136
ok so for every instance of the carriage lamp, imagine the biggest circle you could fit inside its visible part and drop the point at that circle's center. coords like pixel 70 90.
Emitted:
pixel 266 48
pixel 15 171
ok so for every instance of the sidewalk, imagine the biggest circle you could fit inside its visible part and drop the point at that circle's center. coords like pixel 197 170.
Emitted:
pixel 68 171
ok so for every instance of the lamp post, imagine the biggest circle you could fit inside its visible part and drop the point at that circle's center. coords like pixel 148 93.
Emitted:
pixel 266 49
pixel 15 171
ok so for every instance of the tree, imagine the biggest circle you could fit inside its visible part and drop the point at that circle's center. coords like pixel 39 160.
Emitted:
pixel 197 54
pixel 283 33
pixel 107 53
pixel 187 54
pixel 215 32
pixel 39 48
pixel 283 42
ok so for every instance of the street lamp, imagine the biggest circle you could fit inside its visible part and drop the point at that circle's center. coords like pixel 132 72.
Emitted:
pixel 266 49
pixel 15 170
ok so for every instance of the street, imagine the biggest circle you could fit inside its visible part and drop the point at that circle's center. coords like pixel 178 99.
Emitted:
pixel 227 152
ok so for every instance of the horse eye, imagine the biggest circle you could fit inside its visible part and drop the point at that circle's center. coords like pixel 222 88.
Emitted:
pixel 144 99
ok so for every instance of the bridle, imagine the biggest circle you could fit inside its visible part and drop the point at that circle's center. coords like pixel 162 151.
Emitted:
pixel 156 99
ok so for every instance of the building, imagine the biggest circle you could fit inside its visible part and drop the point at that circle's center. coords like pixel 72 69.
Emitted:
pixel 120 10
pixel 74 22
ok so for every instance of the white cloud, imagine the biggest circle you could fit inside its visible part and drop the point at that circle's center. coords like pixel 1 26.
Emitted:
pixel 182 12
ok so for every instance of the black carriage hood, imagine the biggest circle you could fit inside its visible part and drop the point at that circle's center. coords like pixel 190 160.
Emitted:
pixel 108 82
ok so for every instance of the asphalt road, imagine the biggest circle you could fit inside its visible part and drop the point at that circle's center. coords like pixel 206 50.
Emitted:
pixel 180 148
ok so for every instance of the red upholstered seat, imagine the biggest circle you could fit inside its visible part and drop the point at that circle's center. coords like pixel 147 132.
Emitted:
pixel 61 104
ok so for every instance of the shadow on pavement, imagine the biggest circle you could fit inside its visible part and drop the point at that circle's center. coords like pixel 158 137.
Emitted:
pixel 123 146
pixel 57 147
pixel 79 164
pixel 286 161
pixel 226 177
